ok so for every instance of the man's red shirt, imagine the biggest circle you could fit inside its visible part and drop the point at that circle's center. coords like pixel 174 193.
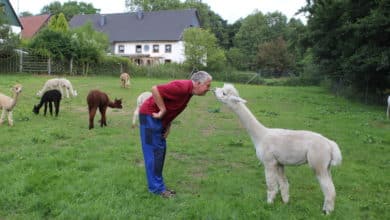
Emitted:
pixel 175 94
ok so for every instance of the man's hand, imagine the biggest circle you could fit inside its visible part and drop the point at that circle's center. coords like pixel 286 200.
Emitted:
pixel 159 114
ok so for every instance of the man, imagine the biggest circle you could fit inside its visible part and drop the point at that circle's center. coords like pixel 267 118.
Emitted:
pixel 156 114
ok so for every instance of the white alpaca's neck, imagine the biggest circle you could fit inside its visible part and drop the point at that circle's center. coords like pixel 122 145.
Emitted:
pixel 255 129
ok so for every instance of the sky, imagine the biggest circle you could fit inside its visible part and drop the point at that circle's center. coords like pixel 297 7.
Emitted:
pixel 230 10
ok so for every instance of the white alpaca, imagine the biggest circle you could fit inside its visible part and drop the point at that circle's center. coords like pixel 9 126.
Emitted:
pixel 278 147
pixel 125 80
pixel 59 84
pixel 8 103
pixel 141 98
pixel 388 107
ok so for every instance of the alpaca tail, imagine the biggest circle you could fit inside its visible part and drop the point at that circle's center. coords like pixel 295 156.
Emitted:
pixel 336 154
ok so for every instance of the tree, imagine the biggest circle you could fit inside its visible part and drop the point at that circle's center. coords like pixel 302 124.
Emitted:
pixel 257 29
pixel 201 50
pixel 273 56
pixel 69 9
pixel 58 23
pixel 25 14
pixel 349 40
pixel 89 45
pixel 8 40
pixel 152 5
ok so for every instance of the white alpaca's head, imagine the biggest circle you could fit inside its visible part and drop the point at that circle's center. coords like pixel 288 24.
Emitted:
pixel 228 95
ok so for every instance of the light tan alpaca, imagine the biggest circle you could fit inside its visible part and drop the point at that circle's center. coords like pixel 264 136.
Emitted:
pixel 8 103
pixel 125 80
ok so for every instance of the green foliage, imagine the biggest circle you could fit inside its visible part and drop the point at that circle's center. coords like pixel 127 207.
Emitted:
pixel 58 23
pixel 349 42
pixel 152 5
pixel 52 43
pixel 55 168
pixel 201 50
pixel 9 41
pixel 273 56
pixel 257 29
pixel 69 9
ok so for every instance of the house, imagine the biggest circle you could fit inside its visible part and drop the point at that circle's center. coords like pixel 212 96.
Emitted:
pixel 10 15
pixel 32 25
pixel 144 37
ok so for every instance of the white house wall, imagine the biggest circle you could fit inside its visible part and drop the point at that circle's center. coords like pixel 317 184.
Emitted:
pixel 176 55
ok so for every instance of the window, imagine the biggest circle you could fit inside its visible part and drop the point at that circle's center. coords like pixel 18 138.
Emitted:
pixel 138 48
pixel 121 48
pixel 156 48
pixel 146 47
pixel 168 48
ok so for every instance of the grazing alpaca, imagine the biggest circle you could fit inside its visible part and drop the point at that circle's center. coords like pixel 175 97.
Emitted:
pixel 8 103
pixel 141 98
pixel 125 80
pixel 59 84
pixel 97 99
pixel 49 97
pixel 276 148
pixel 388 107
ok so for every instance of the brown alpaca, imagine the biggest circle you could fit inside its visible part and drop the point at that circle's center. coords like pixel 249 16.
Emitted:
pixel 98 99
pixel 125 80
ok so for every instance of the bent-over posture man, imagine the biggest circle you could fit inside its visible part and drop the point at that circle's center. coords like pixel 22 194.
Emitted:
pixel 156 114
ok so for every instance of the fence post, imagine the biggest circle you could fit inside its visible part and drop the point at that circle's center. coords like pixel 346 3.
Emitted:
pixel 49 66
pixel 20 62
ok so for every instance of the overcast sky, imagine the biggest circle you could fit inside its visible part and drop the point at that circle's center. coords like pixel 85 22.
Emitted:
pixel 230 10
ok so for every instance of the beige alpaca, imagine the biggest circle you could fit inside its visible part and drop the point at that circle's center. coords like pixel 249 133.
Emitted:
pixel 276 148
pixel 8 103
pixel 141 98
pixel 125 80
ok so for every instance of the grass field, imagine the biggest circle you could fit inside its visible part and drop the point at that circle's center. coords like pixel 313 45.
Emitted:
pixel 56 168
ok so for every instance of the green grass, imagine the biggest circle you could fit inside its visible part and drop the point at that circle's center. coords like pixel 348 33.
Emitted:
pixel 57 168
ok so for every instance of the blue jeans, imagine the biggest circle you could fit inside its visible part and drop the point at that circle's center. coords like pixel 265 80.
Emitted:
pixel 154 148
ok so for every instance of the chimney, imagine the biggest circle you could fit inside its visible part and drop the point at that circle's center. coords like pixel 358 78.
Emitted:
pixel 102 20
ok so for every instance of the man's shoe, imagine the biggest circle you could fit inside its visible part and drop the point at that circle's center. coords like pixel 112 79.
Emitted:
pixel 167 194
pixel 171 191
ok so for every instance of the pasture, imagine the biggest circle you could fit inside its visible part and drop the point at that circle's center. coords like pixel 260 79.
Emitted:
pixel 56 168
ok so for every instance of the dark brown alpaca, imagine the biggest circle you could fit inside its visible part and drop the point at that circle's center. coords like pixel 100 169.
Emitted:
pixel 98 99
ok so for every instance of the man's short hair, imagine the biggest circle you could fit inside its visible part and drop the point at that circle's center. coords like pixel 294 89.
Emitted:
pixel 201 76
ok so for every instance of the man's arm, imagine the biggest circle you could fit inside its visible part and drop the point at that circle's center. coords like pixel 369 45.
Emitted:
pixel 159 102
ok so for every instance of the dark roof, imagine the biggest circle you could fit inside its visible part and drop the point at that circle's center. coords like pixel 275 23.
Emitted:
pixel 165 25
pixel 32 24
pixel 10 13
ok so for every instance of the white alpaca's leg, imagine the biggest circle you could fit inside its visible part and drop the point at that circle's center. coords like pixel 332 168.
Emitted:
pixel 67 92
pixel 283 184
pixel 272 183
pixel 327 186
pixel 2 116
pixel 135 116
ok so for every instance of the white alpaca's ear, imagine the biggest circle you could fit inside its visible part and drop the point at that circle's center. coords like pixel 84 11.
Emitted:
pixel 237 99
